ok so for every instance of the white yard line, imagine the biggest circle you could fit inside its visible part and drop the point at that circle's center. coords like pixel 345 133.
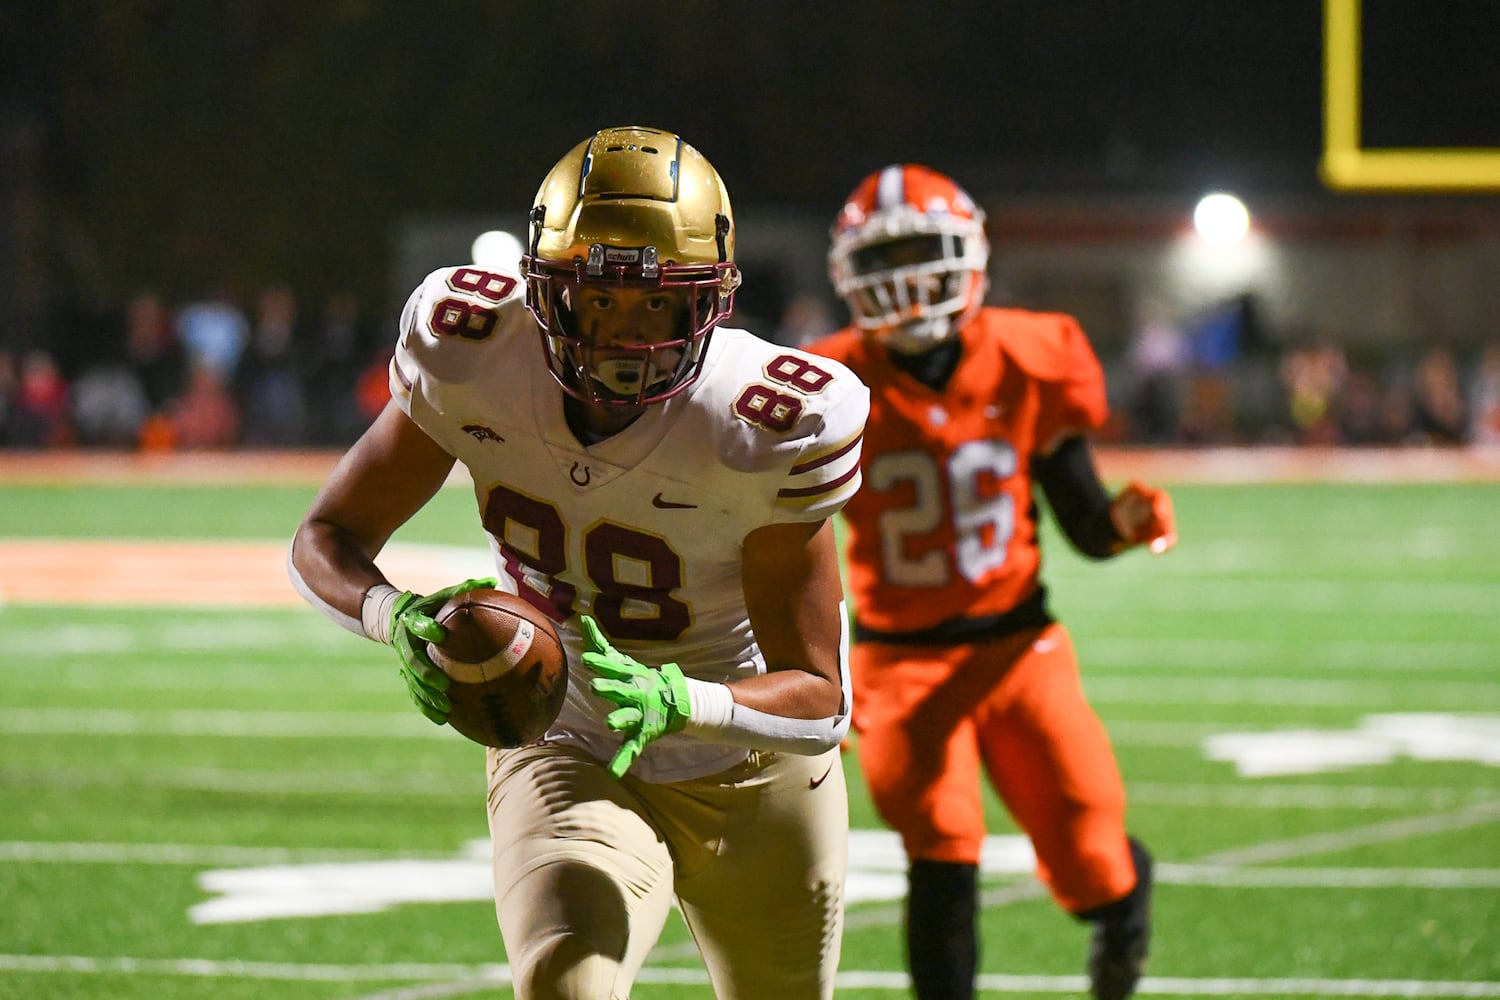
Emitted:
pixel 1292 598
pixel 1480 814
pixel 66 642
pixel 425 784
pixel 1220 868
pixel 100 671
pixel 190 855
pixel 1160 986
pixel 1208 873
pixel 445 783
pixel 1299 796
pixel 1102 652
pixel 1388 695
pixel 1226 865
pixel 1223 876
pixel 897 982
pixel 1376 696
pixel 233 968
pixel 320 723
pixel 455 980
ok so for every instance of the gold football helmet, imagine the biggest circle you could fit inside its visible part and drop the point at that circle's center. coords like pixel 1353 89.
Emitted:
pixel 638 208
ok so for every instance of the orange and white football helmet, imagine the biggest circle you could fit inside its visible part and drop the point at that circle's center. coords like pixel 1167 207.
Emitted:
pixel 910 257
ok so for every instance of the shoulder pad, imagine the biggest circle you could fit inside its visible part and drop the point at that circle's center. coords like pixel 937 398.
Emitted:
pixel 1050 347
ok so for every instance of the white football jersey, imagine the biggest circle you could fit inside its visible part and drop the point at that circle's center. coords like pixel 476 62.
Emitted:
pixel 643 530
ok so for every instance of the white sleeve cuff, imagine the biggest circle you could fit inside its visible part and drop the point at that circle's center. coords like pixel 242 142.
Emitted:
pixel 810 737
pixel 715 717
pixel 328 610
pixel 762 731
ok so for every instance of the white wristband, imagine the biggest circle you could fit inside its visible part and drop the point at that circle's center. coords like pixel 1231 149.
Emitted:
pixel 710 708
pixel 375 612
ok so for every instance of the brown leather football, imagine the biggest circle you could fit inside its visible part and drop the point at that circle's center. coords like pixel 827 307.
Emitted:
pixel 508 668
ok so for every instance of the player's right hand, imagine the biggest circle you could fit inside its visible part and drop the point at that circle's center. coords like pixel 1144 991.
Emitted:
pixel 412 628
pixel 1143 516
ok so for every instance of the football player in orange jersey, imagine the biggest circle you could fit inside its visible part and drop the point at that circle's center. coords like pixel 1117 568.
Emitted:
pixel 959 669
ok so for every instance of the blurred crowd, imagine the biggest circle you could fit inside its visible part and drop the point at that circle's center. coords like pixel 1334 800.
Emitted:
pixel 215 373
pixel 203 374
pixel 1218 377
pixel 1211 383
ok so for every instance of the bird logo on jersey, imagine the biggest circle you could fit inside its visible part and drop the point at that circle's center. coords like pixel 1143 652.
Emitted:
pixel 479 432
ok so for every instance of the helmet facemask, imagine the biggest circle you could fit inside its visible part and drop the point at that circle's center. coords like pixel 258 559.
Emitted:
pixel 910 258
pixel 627 374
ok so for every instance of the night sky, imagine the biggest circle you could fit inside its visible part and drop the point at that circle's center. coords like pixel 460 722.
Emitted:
pixel 175 143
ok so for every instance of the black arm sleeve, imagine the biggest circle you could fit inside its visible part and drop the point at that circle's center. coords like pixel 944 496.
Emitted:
pixel 1078 499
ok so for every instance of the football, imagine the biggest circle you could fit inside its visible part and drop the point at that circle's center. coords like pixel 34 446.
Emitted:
pixel 508 668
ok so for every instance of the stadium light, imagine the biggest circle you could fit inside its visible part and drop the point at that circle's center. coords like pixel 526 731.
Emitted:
pixel 498 249
pixel 1221 218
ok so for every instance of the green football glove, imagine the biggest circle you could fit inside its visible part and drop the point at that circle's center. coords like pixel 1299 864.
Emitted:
pixel 653 700
pixel 412 628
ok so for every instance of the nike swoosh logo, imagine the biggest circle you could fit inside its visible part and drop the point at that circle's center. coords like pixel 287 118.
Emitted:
pixel 658 502
pixel 815 782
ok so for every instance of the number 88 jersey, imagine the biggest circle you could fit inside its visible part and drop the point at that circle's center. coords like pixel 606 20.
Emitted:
pixel 642 530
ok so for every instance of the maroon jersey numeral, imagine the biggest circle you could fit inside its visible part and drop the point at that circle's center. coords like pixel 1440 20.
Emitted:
pixel 534 539
pixel 456 316
pixel 487 285
pixel 769 407
pixel 760 404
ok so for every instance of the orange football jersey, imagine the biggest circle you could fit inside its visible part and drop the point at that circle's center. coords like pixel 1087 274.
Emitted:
pixel 941 529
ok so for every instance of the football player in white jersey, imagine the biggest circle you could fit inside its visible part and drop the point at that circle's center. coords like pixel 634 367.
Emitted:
pixel 661 487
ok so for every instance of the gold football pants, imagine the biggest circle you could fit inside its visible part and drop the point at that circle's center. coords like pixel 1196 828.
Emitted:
pixel 586 868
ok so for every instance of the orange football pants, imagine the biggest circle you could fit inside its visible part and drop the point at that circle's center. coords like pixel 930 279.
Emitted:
pixel 929 718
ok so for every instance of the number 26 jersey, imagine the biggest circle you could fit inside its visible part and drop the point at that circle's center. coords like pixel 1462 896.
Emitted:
pixel 943 527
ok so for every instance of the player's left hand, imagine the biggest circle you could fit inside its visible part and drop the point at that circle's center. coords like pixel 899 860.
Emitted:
pixel 653 700
pixel 1143 516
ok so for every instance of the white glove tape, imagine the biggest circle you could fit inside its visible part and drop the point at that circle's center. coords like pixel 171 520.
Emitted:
pixel 375 612
pixel 710 708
